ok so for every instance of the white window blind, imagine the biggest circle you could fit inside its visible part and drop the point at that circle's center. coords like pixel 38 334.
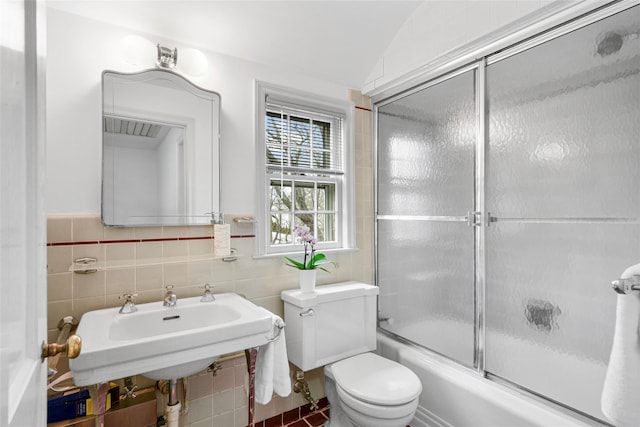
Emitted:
pixel 304 141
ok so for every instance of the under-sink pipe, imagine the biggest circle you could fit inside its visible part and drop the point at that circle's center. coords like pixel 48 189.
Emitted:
pixel 185 402
pixel 173 392
pixel 172 410
pixel 172 415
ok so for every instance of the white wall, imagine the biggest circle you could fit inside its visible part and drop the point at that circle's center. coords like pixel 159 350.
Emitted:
pixel 437 27
pixel 142 198
pixel 171 173
pixel 79 50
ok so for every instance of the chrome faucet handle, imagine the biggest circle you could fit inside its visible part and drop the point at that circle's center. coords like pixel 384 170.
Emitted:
pixel 208 296
pixel 127 296
pixel 129 306
pixel 170 299
pixel 169 293
pixel 130 392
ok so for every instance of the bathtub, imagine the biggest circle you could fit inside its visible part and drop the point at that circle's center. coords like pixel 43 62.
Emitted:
pixel 454 396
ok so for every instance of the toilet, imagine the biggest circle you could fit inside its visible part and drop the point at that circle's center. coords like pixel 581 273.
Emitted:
pixel 335 327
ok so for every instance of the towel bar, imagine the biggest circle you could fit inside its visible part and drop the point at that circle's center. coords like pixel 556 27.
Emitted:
pixel 626 286
pixel 279 325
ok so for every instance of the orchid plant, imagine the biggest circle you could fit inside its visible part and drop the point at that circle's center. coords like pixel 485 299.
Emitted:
pixel 312 259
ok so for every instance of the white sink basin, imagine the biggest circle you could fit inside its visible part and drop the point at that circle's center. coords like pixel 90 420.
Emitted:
pixel 166 342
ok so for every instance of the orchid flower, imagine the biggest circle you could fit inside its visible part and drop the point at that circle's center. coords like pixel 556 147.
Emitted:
pixel 303 235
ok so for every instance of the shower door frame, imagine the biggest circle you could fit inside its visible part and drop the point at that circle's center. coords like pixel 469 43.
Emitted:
pixel 547 26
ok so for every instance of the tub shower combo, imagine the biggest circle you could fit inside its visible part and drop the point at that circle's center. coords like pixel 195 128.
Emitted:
pixel 507 200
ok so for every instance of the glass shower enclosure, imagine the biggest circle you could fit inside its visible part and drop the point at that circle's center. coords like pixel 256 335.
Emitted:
pixel 508 199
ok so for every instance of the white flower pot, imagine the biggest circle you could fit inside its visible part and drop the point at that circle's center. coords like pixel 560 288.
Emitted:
pixel 307 280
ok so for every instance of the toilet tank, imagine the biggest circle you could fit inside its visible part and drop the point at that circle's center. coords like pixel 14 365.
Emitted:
pixel 332 323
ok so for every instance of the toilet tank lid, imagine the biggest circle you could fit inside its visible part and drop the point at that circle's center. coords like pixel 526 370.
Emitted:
pixel 326 293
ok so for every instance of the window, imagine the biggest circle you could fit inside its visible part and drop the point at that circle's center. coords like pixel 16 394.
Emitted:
pixel 305 176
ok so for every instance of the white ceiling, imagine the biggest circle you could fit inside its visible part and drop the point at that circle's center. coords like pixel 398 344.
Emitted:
pixel 339 40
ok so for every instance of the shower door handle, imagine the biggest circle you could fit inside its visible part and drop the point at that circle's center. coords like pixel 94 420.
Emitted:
pixel 626 286
pixel 474 219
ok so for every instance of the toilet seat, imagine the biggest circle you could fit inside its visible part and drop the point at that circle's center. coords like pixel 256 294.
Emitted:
pixel 371 379
pixel 376 411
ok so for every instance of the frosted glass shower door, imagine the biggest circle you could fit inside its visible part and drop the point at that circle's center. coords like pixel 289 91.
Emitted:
pixel 563 181
pixel 425 187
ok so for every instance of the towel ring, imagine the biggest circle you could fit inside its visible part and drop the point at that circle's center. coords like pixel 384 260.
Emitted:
pixel 279 325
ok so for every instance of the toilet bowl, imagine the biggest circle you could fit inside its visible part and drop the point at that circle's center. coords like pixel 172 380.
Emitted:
pixel 335 327
pixel 370 391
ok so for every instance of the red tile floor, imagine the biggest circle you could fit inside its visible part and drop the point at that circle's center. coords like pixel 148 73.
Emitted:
pixel 300 417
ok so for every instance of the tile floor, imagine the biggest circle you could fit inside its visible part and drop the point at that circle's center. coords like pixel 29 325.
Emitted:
pixel 299 417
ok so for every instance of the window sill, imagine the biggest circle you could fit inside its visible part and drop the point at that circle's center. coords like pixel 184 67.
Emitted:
pixel 324 251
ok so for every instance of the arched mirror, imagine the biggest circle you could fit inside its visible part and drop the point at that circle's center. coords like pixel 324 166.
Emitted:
pixel 160 150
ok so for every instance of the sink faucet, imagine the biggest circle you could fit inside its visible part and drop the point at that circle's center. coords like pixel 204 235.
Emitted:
pixel 208 296
pixel 128 306
pixel 170 299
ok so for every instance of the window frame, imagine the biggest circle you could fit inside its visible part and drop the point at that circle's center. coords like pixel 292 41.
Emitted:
pixel 344 182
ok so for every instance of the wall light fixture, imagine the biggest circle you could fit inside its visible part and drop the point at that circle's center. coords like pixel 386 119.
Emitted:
pixel 167 58
pixel 138 52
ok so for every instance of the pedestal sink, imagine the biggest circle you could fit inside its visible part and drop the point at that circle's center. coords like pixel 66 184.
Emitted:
pixel 166 342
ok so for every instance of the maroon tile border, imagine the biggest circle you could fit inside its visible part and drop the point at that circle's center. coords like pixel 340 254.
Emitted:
pixel 158 239
pixel 363 108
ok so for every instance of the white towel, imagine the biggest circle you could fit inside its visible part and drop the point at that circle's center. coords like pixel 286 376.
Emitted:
pixel 621 392
pixel 272 367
